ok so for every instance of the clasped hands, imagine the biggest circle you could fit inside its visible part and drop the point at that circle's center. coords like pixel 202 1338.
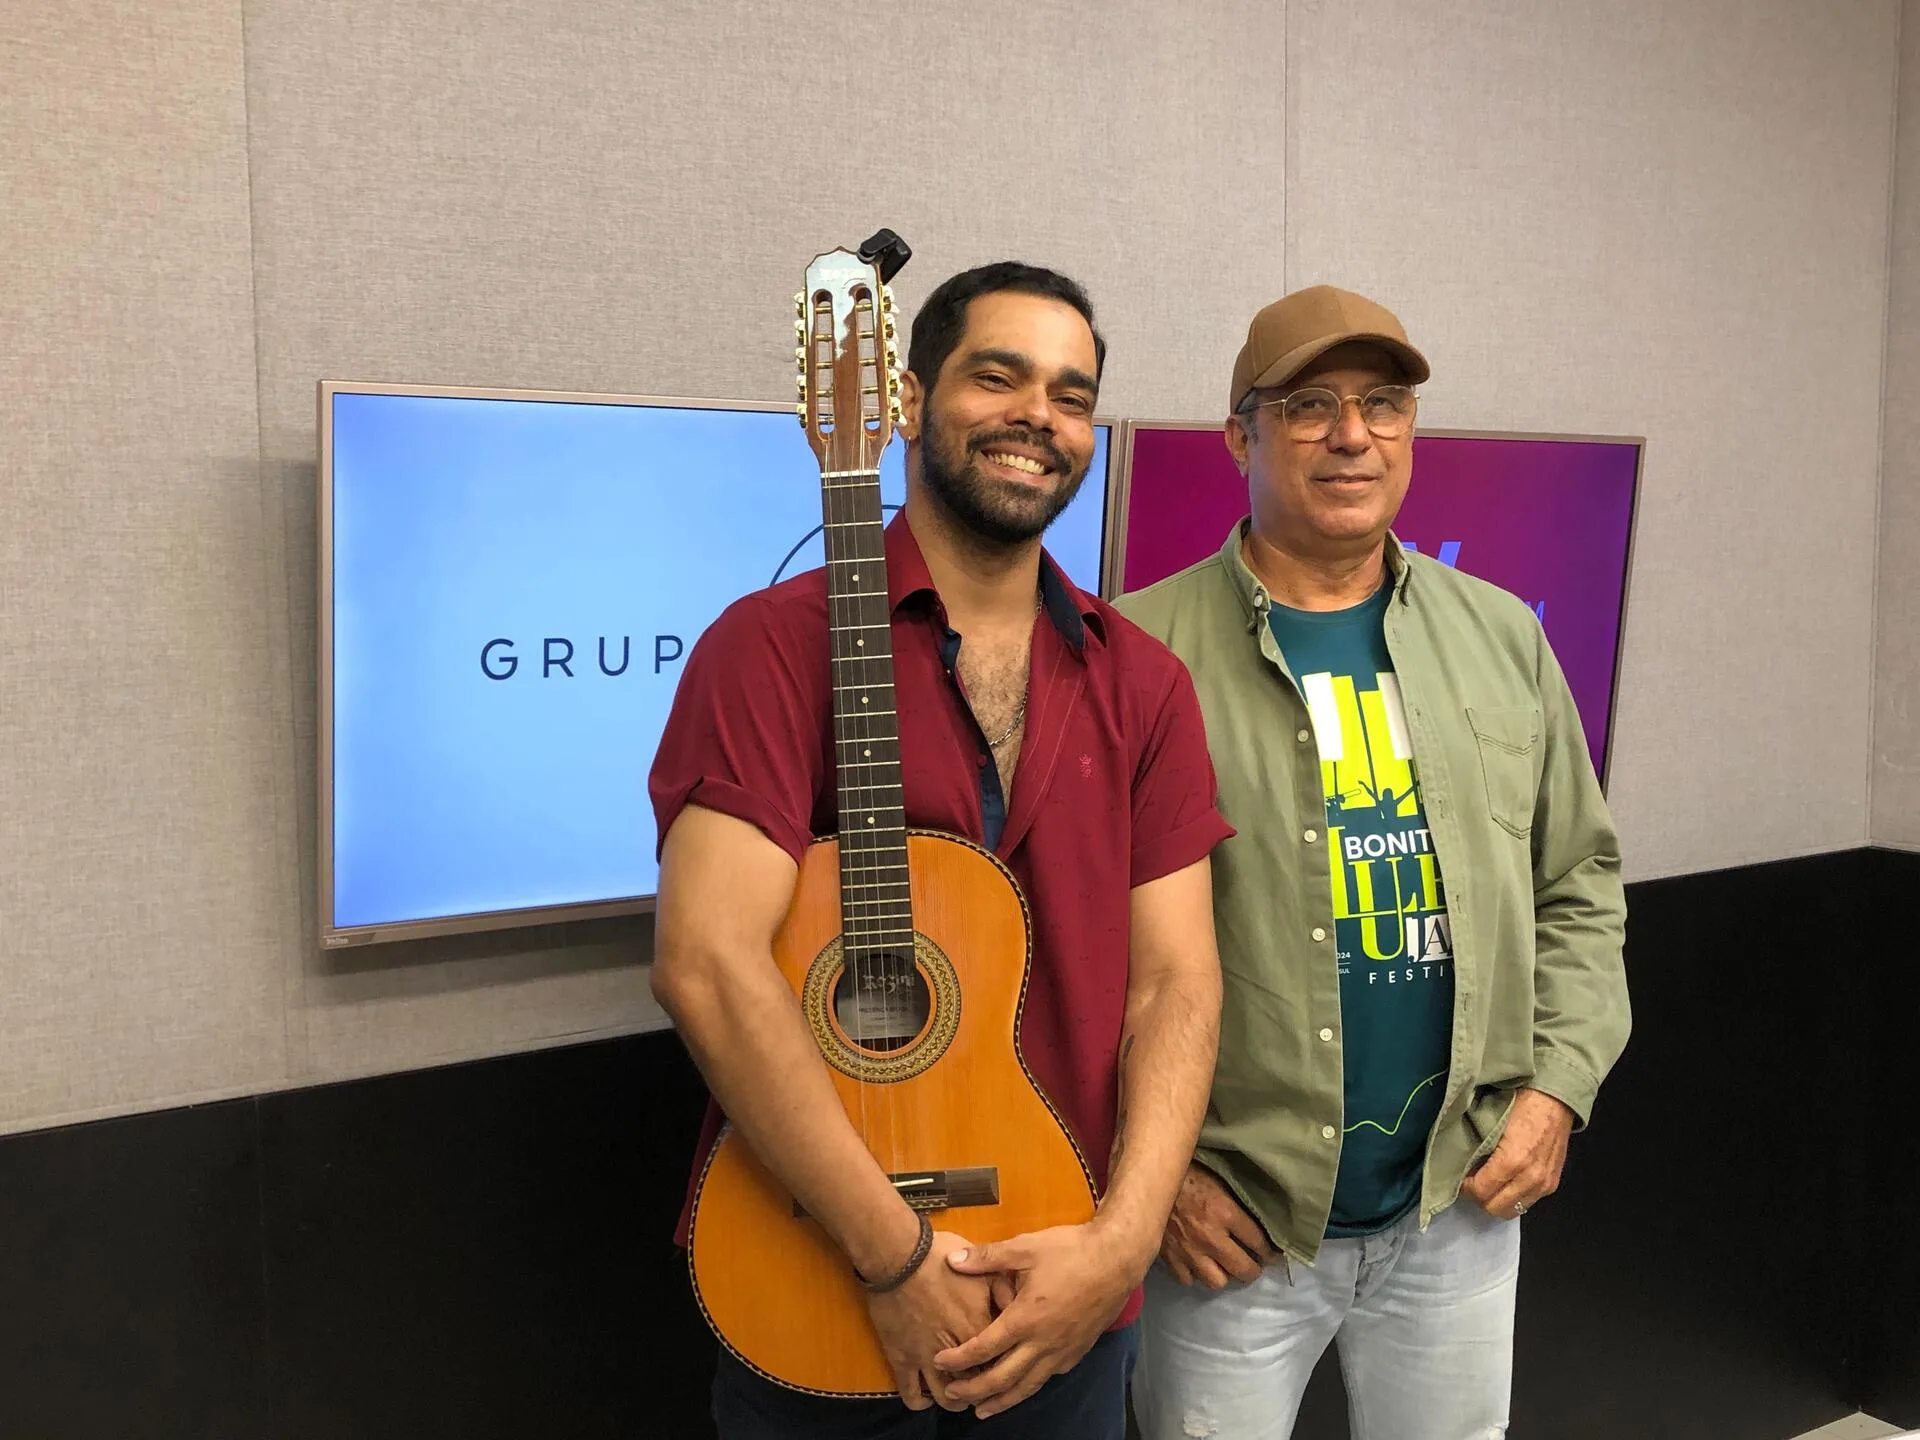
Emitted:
pixel 985 1326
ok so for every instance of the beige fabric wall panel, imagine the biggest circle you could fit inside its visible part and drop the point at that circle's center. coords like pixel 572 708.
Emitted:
pixel 144 901
pixel 1896 732
pixel 620 197
pixel 1654 219
pixel 1630 218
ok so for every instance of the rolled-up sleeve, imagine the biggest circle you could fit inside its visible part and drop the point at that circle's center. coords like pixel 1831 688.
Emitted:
pixel 746 732
pixel 1176 815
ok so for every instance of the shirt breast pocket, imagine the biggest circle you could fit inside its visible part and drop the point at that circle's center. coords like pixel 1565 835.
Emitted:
pixel 1508 738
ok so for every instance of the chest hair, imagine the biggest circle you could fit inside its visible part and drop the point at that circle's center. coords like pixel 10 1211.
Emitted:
pixel 993 673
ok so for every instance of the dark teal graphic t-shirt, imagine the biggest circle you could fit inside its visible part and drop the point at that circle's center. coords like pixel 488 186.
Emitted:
pixel 1390 909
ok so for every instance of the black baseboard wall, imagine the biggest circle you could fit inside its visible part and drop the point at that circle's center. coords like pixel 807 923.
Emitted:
pixel 485 1250
pixel 1877 1076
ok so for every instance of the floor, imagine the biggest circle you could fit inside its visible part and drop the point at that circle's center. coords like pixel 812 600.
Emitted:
pixel 1855 1427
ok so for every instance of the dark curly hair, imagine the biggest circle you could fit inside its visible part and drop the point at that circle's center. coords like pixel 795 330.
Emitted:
pixel 942 319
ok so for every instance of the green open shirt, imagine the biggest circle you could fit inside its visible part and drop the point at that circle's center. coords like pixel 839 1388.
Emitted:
pixel 1523 837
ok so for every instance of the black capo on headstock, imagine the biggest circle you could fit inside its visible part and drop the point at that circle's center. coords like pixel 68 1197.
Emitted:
pixel 889 250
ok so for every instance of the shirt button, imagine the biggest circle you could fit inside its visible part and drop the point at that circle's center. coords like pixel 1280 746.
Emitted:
pixel 1326 1132
pixel 1312 835
pixel 981 761
pixel 1318 933
pixel 1304 736
pixel 1326 1034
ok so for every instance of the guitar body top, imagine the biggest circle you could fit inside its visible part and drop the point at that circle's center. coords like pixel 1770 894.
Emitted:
pixel 950 1112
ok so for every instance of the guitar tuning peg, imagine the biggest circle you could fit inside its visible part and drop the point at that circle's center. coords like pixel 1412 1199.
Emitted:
pixel 800 411
pixel 800 383
pixel 800 354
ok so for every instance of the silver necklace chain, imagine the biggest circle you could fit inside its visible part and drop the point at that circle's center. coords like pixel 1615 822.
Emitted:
pixel 1007 734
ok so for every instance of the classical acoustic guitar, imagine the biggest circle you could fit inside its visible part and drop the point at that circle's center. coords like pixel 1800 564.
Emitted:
pixel 908 949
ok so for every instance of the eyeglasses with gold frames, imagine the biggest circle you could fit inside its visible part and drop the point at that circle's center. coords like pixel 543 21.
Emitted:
pixel 1312 412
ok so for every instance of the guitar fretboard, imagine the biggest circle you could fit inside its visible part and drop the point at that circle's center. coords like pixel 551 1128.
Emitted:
pixel 876 905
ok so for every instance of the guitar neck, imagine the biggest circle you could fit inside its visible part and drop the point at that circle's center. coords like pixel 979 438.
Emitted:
pixel 876 905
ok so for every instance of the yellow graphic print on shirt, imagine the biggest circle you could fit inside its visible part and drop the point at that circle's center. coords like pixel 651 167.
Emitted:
pixel 1385 876
pixel 1394 940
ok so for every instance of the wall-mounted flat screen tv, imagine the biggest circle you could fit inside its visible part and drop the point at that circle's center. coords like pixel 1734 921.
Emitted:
pixel 510 581
pixel 1547 517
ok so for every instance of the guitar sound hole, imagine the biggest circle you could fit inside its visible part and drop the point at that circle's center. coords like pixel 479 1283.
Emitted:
pixel 882 1001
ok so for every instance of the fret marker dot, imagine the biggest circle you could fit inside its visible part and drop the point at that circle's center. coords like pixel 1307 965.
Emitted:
pixel 856 577
pixel 863 699
pixel 866 752
pixel 860 642
pixel 869 819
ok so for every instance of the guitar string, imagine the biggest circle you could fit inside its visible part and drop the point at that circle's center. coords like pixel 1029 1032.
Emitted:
pixel 867 870
pixel 875 610
pixel 851 957
pixel 856 792
pixel 897 962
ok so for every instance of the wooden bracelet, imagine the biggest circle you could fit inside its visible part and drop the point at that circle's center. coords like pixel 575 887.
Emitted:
pixel 914 1261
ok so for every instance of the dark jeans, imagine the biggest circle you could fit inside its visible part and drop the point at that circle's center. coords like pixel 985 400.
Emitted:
pixel 1089 1402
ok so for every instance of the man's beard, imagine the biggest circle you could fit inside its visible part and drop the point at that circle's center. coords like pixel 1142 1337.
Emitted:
pixel 994 509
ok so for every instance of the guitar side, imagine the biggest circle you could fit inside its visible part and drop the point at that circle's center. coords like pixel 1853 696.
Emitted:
pixel 955 1115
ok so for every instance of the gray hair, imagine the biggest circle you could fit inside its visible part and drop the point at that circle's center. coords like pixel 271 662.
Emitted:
pixel 1248 413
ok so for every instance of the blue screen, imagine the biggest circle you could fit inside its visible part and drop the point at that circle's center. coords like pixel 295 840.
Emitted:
pixel 516 584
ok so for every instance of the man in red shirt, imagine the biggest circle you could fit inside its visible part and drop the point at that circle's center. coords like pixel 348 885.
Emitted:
pixel 1036 721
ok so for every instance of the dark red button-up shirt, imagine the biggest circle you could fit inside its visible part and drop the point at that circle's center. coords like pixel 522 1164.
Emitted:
pixel 1114 785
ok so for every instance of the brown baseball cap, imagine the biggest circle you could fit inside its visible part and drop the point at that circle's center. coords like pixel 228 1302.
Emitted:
pixel 1299 328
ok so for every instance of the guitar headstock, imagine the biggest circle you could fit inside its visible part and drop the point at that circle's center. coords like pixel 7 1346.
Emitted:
pixel 849 364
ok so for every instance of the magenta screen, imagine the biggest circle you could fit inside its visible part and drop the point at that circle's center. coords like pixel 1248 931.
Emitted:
pixel 1549 520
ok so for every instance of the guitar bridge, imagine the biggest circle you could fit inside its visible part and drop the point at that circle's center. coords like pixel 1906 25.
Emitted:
pixel 942 1189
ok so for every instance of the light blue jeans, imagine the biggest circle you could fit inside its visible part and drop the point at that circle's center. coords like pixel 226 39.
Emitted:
pixel 1424 1324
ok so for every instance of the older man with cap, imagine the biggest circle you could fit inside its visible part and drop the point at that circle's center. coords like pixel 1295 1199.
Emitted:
pixel 1420 923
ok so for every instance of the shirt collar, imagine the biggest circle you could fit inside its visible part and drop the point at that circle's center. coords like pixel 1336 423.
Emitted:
pixel 1073 614
pixel 1253 595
